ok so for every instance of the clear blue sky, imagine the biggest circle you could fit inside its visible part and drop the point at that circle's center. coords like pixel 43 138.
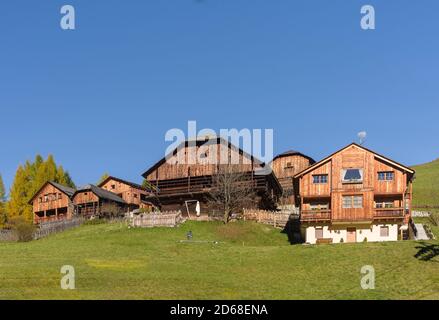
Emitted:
pixel 101 98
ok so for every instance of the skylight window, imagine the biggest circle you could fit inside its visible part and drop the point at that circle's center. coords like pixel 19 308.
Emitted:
pixel 352 175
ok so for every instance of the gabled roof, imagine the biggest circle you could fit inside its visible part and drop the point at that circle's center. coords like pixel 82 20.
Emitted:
pixel 64 189
pixel 381 157
pixel 201 142
pixel 131 184
pixel 293 153
pixel 100 193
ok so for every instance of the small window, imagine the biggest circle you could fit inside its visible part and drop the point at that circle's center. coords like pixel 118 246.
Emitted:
pixel 289 165
pixel 384 204
pixel 320 178
pixel 135 195
pixel 352 175
pixel 319 206
pixel 385 176
pixel 85 193
pixel 352 202
pixel 40 199
pixel 59 196
pixel 113 186
pixel 384 231
pixel 319 233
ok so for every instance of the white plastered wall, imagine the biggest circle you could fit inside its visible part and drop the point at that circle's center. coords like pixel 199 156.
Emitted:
pixel 336 233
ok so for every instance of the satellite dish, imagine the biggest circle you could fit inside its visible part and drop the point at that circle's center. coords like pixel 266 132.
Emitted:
pixel 362 136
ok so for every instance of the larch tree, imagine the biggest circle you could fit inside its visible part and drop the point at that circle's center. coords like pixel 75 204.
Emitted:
pixel 2 202
pixel 103 177
pixel 29 179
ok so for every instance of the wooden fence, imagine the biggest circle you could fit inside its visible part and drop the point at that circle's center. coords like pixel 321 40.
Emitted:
pixel 278 219
pixel 157 219
pixel 49 227
pixel 44 229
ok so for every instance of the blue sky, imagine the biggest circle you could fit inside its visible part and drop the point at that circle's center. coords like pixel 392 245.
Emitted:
pixel 101 97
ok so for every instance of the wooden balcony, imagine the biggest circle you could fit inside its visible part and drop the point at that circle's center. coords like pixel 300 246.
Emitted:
pixel 315 215
pixel 49 218
pixel 388 213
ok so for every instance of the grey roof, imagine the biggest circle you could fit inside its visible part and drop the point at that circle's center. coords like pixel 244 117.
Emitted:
pixel 67 190
pixel 101 193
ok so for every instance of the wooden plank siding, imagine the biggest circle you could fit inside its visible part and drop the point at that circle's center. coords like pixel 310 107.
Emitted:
pixel 180 185
pixel 372 190
pixel 51 203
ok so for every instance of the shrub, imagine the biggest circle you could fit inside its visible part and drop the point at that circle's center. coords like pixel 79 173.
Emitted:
pixel 341 240
pixel 93 222
pixel 434 218
pixel 365 239
pixel 23 229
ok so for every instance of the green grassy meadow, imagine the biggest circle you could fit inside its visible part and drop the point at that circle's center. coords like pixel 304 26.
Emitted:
pixel 426 185
pixel 251 261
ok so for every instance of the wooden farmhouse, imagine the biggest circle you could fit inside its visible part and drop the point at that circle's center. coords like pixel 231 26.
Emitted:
pixel 184 185
pixel 132 193
pixel 52 202
pixel 91 200
pixel 355 195
pixel 285 166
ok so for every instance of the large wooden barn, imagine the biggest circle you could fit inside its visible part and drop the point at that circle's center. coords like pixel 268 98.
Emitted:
pixel 185 185
pixel 355 195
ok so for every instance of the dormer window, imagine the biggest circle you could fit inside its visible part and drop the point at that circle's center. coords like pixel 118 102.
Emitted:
pixel 352 176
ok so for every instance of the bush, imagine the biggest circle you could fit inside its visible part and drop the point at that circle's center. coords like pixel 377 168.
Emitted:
pixel 23 229
pixel 365 239
pixel 434 218
pixel 93 222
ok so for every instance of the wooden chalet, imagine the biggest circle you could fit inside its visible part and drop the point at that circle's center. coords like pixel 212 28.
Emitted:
pixel 132 193
pixel 355 195
pixel 285 166
pixel 184 186
pixel 91 200
pixel 52 202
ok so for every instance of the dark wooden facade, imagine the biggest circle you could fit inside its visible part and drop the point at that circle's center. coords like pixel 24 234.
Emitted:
pixel 181 184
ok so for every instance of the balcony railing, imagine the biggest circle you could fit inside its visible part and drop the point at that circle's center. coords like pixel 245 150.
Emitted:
pixel 382 213
pixel 49 218
pixel 315 215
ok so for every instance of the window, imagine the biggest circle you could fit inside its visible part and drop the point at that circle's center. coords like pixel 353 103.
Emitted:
pixel 319 233
pixel 320 178
pixel 59 196
pixel 384 204
pixel 319 206
pixel 384 231
pixel 135 195
pixel 40 199
pixel 352 202
pixel 289 165
pixel 352 175
pixel 113 186
pixel 385 176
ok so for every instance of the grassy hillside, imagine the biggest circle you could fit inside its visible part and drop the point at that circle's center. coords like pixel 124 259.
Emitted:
pixel 426 185
pixel 250 261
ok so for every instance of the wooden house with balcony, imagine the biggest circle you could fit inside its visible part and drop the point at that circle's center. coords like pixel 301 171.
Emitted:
pixel 285 166
pixel 184 177
pixel 355 195
pixel 52 202
pixel 132 193
pixel 91 200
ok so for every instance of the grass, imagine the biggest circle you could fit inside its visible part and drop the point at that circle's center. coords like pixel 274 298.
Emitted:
pixel 251 261
pixel 426 185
